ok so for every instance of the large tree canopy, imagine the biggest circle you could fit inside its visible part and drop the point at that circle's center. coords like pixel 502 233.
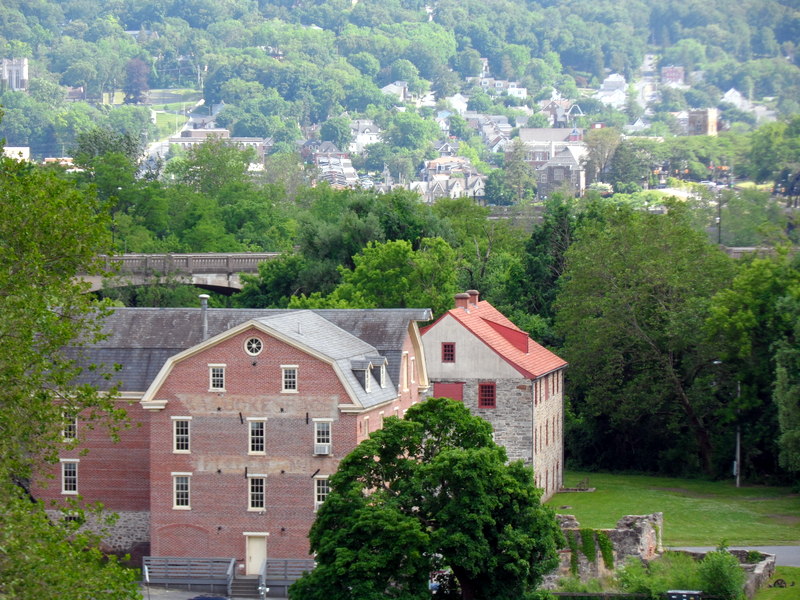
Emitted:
pixel 49 232
pixel 631 308
pixel 428 493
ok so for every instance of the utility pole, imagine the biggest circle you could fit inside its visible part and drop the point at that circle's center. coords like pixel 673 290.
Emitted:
pixel 738 437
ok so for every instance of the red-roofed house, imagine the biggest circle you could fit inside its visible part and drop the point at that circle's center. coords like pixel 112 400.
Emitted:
pixel 476 355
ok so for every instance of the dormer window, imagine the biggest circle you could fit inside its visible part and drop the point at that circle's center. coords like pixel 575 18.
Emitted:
pixel 383 375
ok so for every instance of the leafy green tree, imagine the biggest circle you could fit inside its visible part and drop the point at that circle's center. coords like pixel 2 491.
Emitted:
pixel 787 396
pixel 337 130
pixel 428 493
pixel 753 323
pixel 136 84
pixel 49 232
pixel 518 173
pixel 394 275
pixel 601 144
pixel 631 308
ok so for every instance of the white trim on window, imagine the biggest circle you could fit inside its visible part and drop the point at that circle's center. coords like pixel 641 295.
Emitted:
pixel 323 436
pixel 69 431
pixel 181 435
pixel 216 377
pixel 383 375
pixel 413 369
pixel 181 491
pixel 321 491
pixel 404 371
pixel 256 492
pixel 69 476
pixel 289 379
pixel 368 378
pixel 257 435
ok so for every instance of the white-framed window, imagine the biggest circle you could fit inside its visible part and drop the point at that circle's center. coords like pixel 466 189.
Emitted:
pixel 322 437
pixel 216 378
pixel 69 476
pixel 383 375
pixel 366 425
pixel 404 371
pixel 256 492
pixel 181 491
pixel 181 435
pixel 380 420
pixel 289 378
pixel 413 369
pixel 256 436
pixel 321 491
pixel 253 346
pixel 368 378
pixel 70 428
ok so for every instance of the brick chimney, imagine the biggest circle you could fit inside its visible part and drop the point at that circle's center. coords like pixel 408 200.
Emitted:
pixel 462 301
pixel 473 297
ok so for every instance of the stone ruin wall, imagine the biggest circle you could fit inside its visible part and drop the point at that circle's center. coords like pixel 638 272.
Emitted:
pixel 640 536
pixel 634 535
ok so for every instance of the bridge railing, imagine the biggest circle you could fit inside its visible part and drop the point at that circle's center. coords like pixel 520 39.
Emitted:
pixel 188 263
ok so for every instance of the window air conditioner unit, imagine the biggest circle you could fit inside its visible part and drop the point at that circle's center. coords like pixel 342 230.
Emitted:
pixel 322 448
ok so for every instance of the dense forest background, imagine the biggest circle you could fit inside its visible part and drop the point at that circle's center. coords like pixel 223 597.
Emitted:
pixel 672 344
pixel 280 65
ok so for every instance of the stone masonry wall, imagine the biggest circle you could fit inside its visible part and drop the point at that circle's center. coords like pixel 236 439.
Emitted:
pixel 634 535
pixel 129 530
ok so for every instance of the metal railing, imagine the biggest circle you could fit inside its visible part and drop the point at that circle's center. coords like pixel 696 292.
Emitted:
pixel 246 262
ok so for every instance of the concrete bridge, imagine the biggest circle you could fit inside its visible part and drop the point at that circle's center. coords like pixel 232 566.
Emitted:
pixel 215 272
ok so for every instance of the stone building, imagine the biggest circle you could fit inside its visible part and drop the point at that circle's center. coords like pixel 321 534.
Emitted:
pixel 239 416
pixel 477 356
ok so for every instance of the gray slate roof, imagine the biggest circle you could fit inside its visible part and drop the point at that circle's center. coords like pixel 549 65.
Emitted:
pixel 141 340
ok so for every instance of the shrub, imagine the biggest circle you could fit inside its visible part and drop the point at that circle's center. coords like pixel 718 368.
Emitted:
pixel 674 570
pixel 720 575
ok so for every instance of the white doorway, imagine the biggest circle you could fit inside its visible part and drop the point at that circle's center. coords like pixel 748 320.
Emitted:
pixel 256 552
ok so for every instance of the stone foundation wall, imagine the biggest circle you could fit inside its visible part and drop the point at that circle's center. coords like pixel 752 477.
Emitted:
pixel 634 535
pixel 130 530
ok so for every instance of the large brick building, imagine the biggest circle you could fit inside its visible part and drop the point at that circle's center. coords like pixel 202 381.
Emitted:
pixel 476 355
pixel 239 417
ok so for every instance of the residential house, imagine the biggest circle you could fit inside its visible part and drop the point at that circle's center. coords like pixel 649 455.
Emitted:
pixel 566 171
pixel 458 102
pixel 239 416
pixel 399 91
pixel 673 76
pixel 477 356
pixel 544 143
pixel 364 132
pixel 612 92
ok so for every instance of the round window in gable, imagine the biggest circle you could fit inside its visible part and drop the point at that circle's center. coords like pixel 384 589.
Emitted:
pixel 253 346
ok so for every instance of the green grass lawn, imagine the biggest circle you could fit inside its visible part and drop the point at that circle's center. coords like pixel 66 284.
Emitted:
pixel 789 575
pixel 168 123
pixel 696 513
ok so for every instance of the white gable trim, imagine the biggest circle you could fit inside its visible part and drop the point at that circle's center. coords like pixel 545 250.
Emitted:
pixel 150 402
